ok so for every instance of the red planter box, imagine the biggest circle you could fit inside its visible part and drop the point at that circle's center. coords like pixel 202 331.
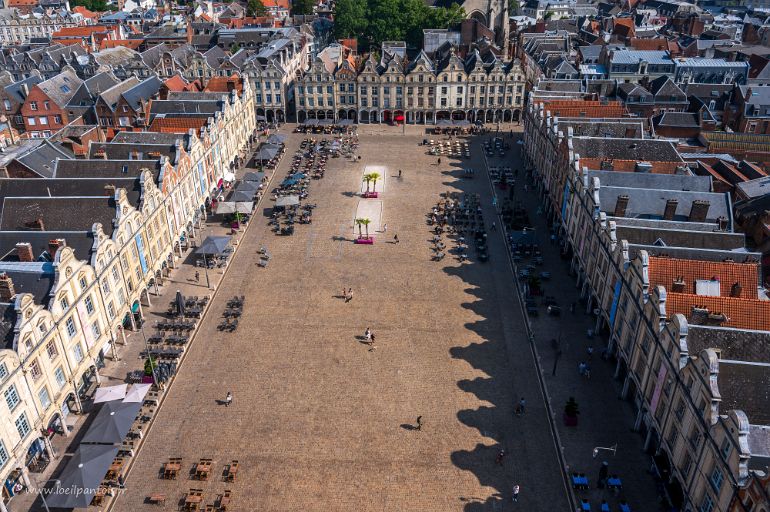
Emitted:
pixel 371 195
pixel 365 241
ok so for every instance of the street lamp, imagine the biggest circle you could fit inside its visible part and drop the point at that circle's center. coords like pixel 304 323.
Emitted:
pixel 612 449
pixel 42 492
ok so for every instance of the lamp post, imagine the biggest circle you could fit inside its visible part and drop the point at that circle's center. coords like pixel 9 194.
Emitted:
pixel 42 492
pixel 206 271
pixel 147 348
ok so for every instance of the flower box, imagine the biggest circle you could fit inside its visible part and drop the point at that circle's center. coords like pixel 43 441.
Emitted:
pixel 371 195
pixel 365 241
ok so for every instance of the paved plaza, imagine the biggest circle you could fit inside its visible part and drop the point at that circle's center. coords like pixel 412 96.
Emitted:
pixel 319 421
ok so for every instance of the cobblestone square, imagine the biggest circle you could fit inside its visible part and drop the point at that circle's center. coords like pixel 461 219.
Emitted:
pixel 320 422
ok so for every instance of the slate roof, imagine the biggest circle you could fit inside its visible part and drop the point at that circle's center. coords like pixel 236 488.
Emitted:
pixel 42 159
pixel 736 378
pixel 204 107
pixel 142 91
pixel 63 187
pixel 36 278
pixel 61 87
pixel 635 56
pixel 652 181
pixel 676 119
pixel 663 87
pixel 734 344
pixel 14 90
pixel 147 138
pixel 105 169
pixel 80 241
pixel 640 150
pixel 650 203
pixel 679 234
pixel 112 95
pixel 58 213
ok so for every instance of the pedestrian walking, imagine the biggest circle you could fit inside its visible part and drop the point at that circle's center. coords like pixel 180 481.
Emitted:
pixel 368 334
pixel 344 294
pixel 371 339
pixel 385 228
pixel 603 472
pixel 419 423
pixel 395 239
pixel 582 368
pixel 522 405
pixel 349 295
pixel 228 399
pixel 590 351
pixel 399 174
pixel 500 456
pixel 494 227
pixel 515 493
pixel 439 161
pixel 197 276
pixel 572 308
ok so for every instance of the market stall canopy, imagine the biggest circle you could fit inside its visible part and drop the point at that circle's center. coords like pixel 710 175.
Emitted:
pixel 82 476
pixel 299 176
pixel 247 186
pixel 266 152
pixel 254 176
pixel 276 138
pixel 137 393
pixel 228 176
pixel 240 196
pixel 112 423
pixel 214 245
pixel 289 182
pixel 110 393
pixel 235 207
pixel 287 201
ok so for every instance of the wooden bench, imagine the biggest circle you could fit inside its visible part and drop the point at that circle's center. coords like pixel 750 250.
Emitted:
pixel 224 500
pixel 231 471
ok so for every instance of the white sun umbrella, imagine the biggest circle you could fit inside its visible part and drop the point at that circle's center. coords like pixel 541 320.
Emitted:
pixel 110 393
pixel 137 393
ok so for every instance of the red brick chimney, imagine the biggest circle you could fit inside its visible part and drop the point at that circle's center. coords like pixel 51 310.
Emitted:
pixel 7 292
pixel 54 245
pixel 24 251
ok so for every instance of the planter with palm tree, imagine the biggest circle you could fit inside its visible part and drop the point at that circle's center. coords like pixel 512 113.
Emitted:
pixel 369 178
pixel 364 239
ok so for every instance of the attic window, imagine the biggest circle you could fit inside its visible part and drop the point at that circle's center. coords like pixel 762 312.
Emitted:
pixel 64 88
pixel 659 243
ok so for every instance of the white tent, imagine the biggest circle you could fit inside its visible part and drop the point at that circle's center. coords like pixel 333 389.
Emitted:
pixel 137 393
pixel 110 393
pixel 235 207
pixel 228 176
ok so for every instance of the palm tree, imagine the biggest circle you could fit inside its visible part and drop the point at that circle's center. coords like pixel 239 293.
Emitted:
pixel 367 178
pixel 359 223
pixel 374 176
pixel 366 223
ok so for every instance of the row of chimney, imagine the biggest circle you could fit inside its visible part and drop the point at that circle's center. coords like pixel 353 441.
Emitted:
pixel 25 253
pixel 698 210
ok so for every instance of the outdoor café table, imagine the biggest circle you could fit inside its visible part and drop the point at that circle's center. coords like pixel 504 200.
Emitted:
pixel 170 470
pixel 605 507
pixel 99 495
pixel 202 469
pixel 193 499
pixel 584 505
pixel 614 482
pixel 579 482
pixel 232 471
pixel 114 468
pixel 624 507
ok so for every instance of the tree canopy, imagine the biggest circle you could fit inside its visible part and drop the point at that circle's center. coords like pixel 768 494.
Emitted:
pixel 375 21
pixel 256 8
pixel 91 5
pixel 302 6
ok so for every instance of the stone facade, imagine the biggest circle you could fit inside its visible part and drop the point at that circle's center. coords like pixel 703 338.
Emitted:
pixel 57 345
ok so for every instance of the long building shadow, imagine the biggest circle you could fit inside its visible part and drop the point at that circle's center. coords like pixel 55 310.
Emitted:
pixel 500 351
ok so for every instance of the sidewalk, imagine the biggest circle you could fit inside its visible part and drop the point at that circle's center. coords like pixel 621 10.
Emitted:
pixel 115 371
pixel 604 419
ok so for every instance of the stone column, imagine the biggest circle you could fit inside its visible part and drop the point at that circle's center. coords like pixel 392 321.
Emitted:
pixel 49 448
pixel 25 476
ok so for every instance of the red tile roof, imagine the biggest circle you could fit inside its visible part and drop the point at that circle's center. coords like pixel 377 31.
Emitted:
pixel 128 43
pixel 224 84
pixel 79 9
pixel 176 84
pixel 581 108
pixel 655 43
pixel 177 124
pixel 83 31
pixel 664 271
pixel 741 313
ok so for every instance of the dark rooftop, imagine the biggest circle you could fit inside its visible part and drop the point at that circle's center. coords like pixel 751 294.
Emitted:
pixel 57 213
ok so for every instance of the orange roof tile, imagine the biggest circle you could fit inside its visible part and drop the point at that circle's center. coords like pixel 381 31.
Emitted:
pixel 664 271
pixel 176 84
pixel 224 84
pixel 128 43
pixel 582 108
pixel 656 43
pixel 83 31
pixel 177 124
pixel 741 313
pixel 79 9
